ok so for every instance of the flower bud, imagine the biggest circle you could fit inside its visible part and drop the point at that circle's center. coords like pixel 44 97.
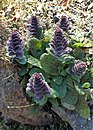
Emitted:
pixel 79 68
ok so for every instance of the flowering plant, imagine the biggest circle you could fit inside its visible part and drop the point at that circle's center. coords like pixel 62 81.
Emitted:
pixel 53 68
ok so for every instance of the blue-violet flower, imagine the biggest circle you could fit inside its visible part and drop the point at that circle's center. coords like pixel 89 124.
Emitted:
pixel 33 27
pixel 38 86
pixel 15 45
pixel 63 23
pixel 79 68
pixel 59 44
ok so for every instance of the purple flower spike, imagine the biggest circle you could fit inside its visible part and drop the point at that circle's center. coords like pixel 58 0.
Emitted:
pixel 15 45
pixel 33 27
pixel 63 23
pixel 59 44
pixel 38 86
pixel 79 68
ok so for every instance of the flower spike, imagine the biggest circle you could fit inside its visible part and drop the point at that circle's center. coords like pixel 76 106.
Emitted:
pixel 15 45
pixel 79 68
pixel 38 86
pixel 33 27
pixel 59 44
pixel 63 23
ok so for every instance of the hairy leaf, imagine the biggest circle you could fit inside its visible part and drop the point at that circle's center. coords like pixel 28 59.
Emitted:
pixel 57 79
pixel 33 61
pixel 41 102
pixel 54 101
pixel 62 70
pixel 68 106
pixel 78 53
pixel 82 107
pixel 79 44
pixel 61 89
pixel 86 85
pixel 23 71
pixel 22 61
pixel 71 97
pixel 34 70
pixel 49 64
pixel 67 59
pixel 40 32
pixel 35 47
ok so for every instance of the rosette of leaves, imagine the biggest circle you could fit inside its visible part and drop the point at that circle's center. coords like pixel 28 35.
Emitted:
pixel 79 68
pixel 63 23
pixel 38 88
pixel 15 46
pixel 59 44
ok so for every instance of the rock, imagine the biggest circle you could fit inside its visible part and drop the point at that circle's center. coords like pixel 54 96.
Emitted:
pixel 75 121
pixel 11 94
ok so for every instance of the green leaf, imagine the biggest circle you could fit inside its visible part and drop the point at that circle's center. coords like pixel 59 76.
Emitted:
pixel 78 53
pixel 63 73
pixel 40 32
pixel 53 94
pixel 22 61
pixel 42 102
pixel 35 47
pixel 54 102
pixel 33 61
pixel 79 44
pixel 71 97
pixel 60 89
pixel 38 70
pixel 82 107
pixel 68 106
pixel 57 79
pixel 34 70
pixel 76 78
pixel 33 42
pixel 29 92
pixel 29 66
pixel 45 43
pixel 79 90
pixel 66 59
pixel 46 40
pixel 86 76
pixel 49 64
pixel 23 71
pixel 91 70
pixel 86 85
pixel 49 51
pixel 24 82
pixel 69 82
pixel 62 70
